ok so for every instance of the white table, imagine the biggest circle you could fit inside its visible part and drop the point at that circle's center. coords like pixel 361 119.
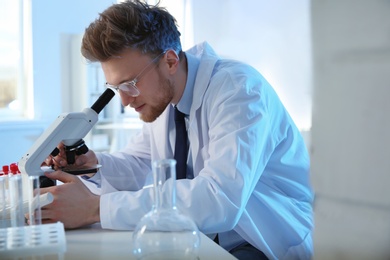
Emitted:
pixel 96 243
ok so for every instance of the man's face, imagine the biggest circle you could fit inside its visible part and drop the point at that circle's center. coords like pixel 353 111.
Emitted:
pixel 155 90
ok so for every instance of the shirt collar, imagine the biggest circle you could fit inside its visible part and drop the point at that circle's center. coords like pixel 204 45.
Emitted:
pixel 185 102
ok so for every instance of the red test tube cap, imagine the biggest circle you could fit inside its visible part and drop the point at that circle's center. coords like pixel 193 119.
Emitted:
pixel 5 169
pixel 14 168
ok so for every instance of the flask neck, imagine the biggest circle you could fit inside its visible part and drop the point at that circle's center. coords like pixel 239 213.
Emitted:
pixel 164 178
pixel 164 192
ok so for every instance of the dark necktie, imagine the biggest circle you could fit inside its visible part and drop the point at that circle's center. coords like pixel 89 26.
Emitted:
pixel 181 148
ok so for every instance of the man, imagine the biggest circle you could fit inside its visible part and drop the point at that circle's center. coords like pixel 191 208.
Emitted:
pixel 247 171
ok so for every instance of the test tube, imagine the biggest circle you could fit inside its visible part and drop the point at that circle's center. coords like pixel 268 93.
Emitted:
pixel 4 193
pixel 34 203
pixel 3 202
pixel 16 200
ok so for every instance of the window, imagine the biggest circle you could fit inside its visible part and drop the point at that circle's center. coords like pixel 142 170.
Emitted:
pixel 15 53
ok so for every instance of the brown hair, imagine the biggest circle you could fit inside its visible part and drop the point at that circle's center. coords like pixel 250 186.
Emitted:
pixel 130 24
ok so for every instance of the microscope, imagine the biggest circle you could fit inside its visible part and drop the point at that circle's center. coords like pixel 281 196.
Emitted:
pixel 68 128
pixel 18 240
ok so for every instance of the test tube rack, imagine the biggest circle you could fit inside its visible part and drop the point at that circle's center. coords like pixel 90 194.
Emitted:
pixel 21 241
pixel 35 240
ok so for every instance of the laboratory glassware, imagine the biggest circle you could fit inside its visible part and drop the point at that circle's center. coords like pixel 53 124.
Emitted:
pixel 164 232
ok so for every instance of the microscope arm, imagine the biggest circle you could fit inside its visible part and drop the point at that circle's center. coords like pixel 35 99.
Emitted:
pixel 68 128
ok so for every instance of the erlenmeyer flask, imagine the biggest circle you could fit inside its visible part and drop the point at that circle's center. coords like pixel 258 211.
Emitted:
pixel 165 233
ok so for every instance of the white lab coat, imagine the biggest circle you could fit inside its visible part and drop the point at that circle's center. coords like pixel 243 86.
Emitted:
pixel 250 164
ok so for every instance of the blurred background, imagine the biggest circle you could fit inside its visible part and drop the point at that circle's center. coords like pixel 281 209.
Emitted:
pixel 328 60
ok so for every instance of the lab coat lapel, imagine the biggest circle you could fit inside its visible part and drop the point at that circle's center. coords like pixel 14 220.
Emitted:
pixel 160 133
pixel 208 59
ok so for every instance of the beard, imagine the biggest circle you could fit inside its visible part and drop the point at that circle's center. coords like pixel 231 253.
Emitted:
pixel 164 97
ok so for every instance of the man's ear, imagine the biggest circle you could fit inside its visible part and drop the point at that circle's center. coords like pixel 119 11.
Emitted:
pixel 172 60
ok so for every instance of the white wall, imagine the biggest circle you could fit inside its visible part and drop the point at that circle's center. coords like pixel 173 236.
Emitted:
pixel 350 128
pixel 273 36
pixel 52 19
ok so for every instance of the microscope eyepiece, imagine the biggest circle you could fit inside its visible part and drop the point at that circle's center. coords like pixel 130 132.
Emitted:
pixel 103 100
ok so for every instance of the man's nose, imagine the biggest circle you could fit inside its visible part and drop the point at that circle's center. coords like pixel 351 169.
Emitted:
pixel 126 99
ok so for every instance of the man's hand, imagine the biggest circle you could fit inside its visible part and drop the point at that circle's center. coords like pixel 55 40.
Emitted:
pixel 74 204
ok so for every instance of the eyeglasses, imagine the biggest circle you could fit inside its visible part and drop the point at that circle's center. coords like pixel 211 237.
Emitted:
pixel 130 87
